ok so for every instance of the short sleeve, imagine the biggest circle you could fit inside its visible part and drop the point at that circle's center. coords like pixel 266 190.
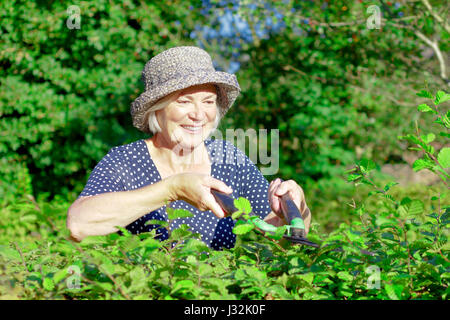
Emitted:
pixel 104 177
pixel 254 186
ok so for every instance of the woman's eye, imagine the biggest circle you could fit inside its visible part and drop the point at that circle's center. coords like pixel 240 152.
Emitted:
pixel 183 101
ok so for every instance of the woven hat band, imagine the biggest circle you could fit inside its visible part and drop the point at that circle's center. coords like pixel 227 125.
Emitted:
pixel 185 72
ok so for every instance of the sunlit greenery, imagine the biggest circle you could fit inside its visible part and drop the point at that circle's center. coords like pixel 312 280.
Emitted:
pixel 341 92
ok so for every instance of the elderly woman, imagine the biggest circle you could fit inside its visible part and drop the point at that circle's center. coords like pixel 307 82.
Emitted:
pixel 184 99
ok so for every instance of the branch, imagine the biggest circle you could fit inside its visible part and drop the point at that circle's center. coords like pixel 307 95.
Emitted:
pixel 436 16
pixel 21 255
pixel 289 67
pixel 431 156
pixel 434 45
pixel 358 21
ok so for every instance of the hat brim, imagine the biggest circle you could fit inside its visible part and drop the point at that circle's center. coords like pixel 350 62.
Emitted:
pixel 228 91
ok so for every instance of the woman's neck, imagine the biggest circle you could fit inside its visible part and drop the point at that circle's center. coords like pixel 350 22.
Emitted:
pixel 175 159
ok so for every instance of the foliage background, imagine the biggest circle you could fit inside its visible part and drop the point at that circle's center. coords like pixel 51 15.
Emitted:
pixel 337 90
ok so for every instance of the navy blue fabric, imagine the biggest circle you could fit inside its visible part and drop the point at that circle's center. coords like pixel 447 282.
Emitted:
pixel 130 166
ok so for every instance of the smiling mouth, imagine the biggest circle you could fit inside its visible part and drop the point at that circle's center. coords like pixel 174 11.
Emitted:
pixel 192 129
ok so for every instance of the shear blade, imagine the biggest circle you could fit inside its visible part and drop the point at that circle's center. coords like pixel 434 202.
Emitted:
pixel 301 241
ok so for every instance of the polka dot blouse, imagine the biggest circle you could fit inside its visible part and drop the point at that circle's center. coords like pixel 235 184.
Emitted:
pixel 130 167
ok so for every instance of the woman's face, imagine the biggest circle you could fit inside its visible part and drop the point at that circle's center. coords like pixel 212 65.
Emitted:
pixel 188 120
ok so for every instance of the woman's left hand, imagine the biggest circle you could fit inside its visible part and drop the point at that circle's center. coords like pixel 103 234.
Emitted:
pixel 277 189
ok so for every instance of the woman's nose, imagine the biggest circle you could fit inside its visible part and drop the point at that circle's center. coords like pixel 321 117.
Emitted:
pixel 198 112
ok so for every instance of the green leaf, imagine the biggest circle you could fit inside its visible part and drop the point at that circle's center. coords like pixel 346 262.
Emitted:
pixel 424 94
pixel 151 244
pixel 61 274
pixel 353 177
pixel 157 222
pixel 128 244
pixel 107 267
pixel 256 273
pixel 345 275
pixel 425 108
pixel 444 157
pixel 181 232
pixel 178 213
pixel 237 214
pixel 28 218
pixel 9 253
pixel 48 284
pixel 106 286
pixel 308 277
pixel 366 165
pixel 428 138
pixel 280 232
pixel 410 137
pixel 441 97
pixel 243 228
pixel 243 204
pixel 410 208
pixel 182 285
pixel 125 231
pixel 415 208
pixel 444 134
pixel 421 164
pixel 138 277
pixel 394 291
pixel 390 185
pixel 92 240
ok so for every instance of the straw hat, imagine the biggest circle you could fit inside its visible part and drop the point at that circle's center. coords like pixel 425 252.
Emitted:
pixel 179 68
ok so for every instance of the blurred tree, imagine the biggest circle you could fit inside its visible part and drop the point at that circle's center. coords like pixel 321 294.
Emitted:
pixel 332 76
pixel 68 75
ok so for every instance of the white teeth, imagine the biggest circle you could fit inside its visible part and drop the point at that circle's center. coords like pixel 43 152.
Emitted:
pixel 192 128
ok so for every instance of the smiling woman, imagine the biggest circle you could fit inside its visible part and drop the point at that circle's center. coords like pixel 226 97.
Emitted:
pixel 189 117
pixel 178 165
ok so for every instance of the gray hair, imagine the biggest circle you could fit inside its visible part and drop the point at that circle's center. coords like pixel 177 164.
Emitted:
pixel 150 115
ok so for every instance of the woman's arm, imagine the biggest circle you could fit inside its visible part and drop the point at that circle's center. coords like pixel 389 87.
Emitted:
pixel 100 214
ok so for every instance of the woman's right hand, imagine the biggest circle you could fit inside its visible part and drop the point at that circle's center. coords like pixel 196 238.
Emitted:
pixel 195 188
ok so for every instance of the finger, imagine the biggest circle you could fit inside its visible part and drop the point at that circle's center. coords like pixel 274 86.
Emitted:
pixel 283 188
pixel 296 197
pixel 275 204
pixel 273 185
pixel 211 204
pixel 301 199
pixel 274 200
pixel 218 185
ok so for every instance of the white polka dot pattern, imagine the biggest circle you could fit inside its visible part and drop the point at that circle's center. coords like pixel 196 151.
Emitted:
pixel 130 167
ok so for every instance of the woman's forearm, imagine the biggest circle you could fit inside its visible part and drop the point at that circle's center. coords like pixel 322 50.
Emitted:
pixel 100 214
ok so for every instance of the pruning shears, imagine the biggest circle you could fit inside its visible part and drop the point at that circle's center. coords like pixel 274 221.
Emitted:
pixel 295 228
